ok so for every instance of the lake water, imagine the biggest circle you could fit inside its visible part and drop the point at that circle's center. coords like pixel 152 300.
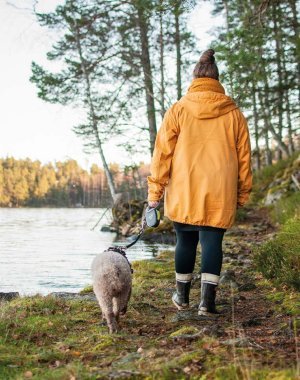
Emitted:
pixel 45 250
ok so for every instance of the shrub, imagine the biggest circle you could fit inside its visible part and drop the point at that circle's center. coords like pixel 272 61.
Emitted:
pixel 279 259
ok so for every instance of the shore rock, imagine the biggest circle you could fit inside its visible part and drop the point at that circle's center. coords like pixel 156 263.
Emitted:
pixel 74 296
pixel 8 296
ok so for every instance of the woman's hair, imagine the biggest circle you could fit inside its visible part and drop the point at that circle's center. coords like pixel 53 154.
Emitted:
pixel 206 67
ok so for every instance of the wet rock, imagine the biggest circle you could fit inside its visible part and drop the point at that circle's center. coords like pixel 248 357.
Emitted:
pixel 8 296
pixel 247 262
pixel 241 257
pixel 228 260
pixel 273 197
pixel 74 296
pixel 121 374
pixel 212 331
pixel 132 357
pixel 190 315
pixel 161 238
pixel 228 277
pixel 105 228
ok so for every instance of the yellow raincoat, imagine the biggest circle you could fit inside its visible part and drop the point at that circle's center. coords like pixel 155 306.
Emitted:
pixel 202 158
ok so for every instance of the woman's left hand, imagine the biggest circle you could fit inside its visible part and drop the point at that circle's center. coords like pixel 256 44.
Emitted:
pixel 153 204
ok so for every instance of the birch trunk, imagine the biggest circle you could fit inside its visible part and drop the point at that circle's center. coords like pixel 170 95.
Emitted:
pixel 93 114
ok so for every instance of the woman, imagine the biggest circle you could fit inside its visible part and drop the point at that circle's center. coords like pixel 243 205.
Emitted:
pixel 202 164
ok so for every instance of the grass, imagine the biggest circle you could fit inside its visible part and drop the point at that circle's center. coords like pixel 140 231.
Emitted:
pixel 50 338
pixel 279 259
pixel 286 208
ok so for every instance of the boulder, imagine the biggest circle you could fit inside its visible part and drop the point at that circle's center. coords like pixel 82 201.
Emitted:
pixel 8 296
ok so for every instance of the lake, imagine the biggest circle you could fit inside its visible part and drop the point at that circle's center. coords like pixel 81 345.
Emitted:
pixel 45 250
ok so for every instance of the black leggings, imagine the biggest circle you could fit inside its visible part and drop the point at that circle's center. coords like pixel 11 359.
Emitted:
pixel 211 250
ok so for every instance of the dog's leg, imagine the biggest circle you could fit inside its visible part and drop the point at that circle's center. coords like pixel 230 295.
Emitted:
pixel 116 307
pixel 106 306
pixel 124 302
pixel 111 321
pixel 109 315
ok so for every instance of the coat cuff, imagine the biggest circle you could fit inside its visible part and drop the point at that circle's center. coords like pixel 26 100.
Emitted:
pixel 243 199
pixel 155 190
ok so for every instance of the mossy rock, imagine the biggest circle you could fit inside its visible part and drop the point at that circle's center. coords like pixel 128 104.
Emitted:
pixel 185 330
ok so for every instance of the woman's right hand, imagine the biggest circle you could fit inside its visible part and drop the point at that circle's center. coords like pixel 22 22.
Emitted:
pixel 153 204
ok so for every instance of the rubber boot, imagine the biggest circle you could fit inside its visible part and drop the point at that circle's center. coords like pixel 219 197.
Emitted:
pixel 207 304
pixel 181 297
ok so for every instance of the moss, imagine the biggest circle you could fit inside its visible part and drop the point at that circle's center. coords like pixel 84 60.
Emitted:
pixel 290 301
pixel 185 330
pixel 279 259
pixel 245 372
pixel 103 342
pixel 286 208
pixel 88 289
pixel 266 374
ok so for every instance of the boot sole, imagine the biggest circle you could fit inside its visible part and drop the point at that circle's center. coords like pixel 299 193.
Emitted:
pixel 180 307
pixel 208 314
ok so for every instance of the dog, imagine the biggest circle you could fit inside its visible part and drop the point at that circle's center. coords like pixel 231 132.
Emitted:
pixel 112 282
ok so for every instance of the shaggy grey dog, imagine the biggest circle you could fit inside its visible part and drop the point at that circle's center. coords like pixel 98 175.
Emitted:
pixel 112 280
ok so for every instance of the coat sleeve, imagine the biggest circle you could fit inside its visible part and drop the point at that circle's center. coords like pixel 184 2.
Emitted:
pixel 164 147
pixel 243 148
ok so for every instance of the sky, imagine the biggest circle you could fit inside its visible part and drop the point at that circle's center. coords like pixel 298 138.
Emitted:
pixel 30 127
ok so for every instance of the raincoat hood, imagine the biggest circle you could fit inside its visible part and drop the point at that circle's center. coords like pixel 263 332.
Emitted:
pixel 206 99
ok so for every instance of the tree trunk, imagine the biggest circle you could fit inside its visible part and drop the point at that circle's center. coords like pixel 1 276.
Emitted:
pixel 162 66
pixel 268 153
pixel 265 103
pixel 268 156
pixel 178 49
pixel 291 146
pixel 93 115
pixel 268 124
pixel 148 81
pixel 227 30
pixel 278 48
pixel 256 132
pixel 295 26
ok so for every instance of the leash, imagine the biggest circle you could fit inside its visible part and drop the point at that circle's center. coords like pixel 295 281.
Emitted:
pixel 121 248
pixel 144 224
pixel 150 219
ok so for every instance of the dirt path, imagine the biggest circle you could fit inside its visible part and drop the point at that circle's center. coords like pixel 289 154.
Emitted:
pixel 253 320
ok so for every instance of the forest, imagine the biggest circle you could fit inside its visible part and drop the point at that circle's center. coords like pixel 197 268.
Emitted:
pixel 65 184
pixel 125 62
